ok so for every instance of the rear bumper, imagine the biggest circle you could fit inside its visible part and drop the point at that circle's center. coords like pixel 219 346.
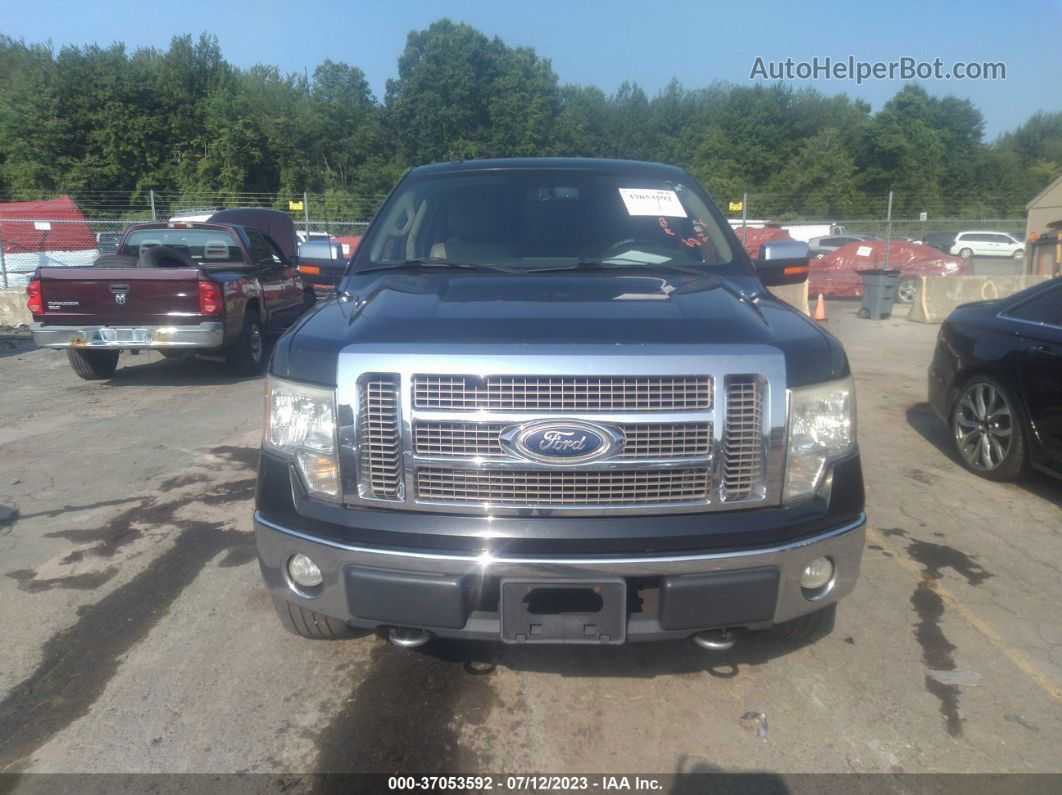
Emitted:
pixel 200 335
pixel 456 594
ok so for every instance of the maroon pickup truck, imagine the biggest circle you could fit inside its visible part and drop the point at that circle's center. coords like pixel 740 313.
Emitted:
pixel 218 288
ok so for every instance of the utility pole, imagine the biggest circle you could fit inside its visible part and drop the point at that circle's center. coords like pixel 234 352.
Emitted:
pixel 152 195
pixel 306 213
pixel 888 230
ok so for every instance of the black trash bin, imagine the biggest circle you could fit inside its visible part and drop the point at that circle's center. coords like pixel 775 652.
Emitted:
pixel 879 292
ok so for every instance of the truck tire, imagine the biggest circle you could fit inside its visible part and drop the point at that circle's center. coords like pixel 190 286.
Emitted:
pixel 805 627
pixel 93 365
pixel 247 356
pixel 308 624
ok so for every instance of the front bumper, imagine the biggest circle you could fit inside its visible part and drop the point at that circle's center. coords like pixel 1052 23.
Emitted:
pixel 200 335
pixel 456 594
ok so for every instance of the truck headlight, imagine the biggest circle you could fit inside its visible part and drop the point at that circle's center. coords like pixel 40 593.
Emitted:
pixel 822 428
pixel 301 423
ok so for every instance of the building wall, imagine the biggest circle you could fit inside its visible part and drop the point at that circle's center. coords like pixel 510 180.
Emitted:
pixel 1047 209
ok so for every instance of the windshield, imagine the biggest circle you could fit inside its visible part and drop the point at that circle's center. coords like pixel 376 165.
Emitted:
pixel 202 245
pixel 529 219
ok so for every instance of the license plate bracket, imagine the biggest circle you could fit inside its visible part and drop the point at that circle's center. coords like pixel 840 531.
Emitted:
pixel 119 334
pixel 564 611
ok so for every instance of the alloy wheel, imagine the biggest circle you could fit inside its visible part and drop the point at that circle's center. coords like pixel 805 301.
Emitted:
pixel 983 424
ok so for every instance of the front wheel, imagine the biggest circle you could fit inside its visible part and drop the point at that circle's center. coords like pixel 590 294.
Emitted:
pixel 804 628
pixel 93 365
pixel 966 253
pixel 247 356
pixel 907 290
pixel 307 624
pixel 1019 255
pixel 987 428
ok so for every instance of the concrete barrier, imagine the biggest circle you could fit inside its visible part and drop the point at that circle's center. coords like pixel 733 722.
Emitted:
pixel 13 307
pixel 793 294
pixel 938 295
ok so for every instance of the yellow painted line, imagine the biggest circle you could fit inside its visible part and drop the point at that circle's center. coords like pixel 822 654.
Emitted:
pixel 1014 655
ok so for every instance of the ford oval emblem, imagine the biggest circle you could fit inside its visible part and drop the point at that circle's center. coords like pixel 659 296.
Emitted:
pixel 561 442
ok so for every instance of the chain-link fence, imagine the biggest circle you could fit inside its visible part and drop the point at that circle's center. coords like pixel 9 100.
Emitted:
pixel 29 243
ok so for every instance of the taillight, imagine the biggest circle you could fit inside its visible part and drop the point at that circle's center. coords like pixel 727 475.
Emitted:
pixel 34 299
pixel 210 301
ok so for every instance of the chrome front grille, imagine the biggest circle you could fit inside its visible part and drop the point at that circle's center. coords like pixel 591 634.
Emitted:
pixel 481 440
pixel 743 441
pixel 380 459
pixel 539 488
pixel 708 437
pixel 562 393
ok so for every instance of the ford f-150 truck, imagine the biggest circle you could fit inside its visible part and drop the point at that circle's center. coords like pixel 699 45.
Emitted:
pixel 552 402
pixel 217 287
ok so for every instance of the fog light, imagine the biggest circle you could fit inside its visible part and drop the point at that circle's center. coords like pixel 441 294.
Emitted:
pixel 817 574
pixel 304 571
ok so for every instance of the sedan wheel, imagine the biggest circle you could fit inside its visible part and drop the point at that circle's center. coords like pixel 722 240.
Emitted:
pixel 907 290
pixel 987 431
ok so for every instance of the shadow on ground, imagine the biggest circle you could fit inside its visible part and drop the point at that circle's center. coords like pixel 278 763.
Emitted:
pixel 189 371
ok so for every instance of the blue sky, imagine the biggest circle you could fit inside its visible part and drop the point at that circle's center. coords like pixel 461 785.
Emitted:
pixel 606 43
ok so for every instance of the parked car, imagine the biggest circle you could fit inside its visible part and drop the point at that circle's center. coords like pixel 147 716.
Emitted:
pixel 996 380
pixel 942 241
pixel 837 274
pixel 173 287
pixel 553 403
pixel 987 244
pixel 321 264
pixel 821 246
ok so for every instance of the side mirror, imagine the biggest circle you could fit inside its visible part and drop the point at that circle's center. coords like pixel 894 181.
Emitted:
pixel 782 262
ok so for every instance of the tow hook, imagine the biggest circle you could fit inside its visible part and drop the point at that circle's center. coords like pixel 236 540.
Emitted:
pixel 715 640
pixel 408 638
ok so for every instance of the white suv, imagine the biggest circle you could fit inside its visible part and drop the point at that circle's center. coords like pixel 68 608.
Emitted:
pixel 987 244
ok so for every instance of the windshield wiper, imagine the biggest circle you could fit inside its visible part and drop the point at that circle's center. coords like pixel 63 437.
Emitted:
pixel 598 264
pixel 435 262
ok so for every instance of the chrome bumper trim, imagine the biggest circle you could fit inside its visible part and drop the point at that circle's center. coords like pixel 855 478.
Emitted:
pixel 844 545
pixel 201 335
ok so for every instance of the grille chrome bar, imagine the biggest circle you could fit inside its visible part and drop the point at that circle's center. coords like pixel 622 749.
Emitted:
pixel 717 366
pixel 481 440
pixel 537 488
pixel 563 393
pixel 380 449
pixel 743 439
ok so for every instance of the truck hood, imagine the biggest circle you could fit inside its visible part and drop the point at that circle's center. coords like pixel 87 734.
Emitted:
pixel 505 310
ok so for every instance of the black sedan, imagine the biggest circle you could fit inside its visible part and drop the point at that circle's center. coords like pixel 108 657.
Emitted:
pixel 996 379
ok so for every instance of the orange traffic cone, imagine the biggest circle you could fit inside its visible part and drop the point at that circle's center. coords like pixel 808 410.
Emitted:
pixel 819 315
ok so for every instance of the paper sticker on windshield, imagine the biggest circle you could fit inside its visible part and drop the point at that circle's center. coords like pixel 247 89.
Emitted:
pixel 649 201
pixel 863 251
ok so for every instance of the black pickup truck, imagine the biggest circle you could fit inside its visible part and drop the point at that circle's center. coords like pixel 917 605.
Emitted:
pixel 553 403
pixel 219 287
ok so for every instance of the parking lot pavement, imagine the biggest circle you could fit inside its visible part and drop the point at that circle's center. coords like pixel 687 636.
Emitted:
pixel 137 636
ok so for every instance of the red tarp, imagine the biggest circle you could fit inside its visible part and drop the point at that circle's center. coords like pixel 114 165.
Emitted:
pixel 836 274
pixel 23 237
pixel 757 237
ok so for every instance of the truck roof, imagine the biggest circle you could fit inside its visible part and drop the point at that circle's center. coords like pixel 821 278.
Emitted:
pixel 568 163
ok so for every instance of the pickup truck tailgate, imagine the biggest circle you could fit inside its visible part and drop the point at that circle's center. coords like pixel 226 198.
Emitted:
pixel 120 296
